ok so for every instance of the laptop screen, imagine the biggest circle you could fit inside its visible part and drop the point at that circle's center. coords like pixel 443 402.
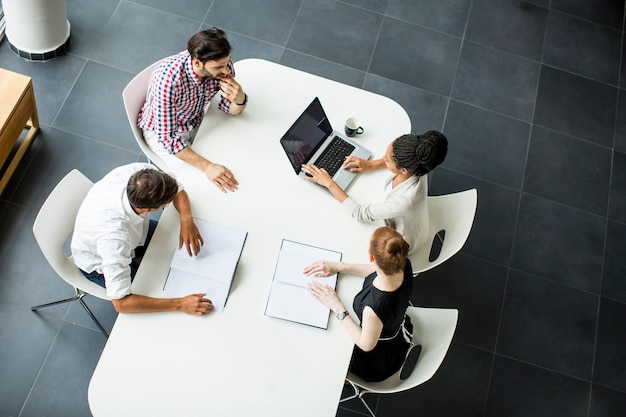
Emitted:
pixel 306 135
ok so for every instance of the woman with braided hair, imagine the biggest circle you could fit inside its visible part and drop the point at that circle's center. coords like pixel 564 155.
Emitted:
pixel 382 338
pixel 409 158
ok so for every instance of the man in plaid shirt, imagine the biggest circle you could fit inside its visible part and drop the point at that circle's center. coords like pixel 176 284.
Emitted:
pixel 180 88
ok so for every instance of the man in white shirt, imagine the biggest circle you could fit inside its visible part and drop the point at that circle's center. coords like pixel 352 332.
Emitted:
pixel 114 220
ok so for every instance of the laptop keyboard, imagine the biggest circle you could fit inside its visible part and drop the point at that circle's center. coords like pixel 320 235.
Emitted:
pixel 333 156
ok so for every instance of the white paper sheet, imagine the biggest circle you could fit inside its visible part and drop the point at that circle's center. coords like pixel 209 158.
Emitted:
pixel 289 298
pixel 212 270
pixel 181 283
pixel 294 257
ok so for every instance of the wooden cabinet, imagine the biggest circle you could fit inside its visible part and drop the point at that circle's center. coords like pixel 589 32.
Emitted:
pixel 18 111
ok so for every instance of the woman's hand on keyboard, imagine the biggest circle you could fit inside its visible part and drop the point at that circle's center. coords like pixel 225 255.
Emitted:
pixel 317 175
pixel 356 164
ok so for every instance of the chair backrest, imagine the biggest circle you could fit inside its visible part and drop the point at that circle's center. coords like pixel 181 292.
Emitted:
pixel 55 222
pixel 433 329
pixel 134 95
pixel 454 214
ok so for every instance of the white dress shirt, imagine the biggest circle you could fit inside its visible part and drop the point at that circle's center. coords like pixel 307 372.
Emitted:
pixel 405 209
pixel 108 230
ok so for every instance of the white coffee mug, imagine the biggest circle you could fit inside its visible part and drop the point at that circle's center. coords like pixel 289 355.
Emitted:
pixel 352 127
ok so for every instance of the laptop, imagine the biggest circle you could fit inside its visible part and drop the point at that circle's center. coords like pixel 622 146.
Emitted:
pixel 312 140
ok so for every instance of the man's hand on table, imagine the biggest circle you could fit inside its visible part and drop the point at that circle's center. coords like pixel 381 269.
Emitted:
pixel 221 177
pixel 196 304
pixel 190 236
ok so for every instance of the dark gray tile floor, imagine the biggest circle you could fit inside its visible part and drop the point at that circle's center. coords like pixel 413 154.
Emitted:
pixel 529 94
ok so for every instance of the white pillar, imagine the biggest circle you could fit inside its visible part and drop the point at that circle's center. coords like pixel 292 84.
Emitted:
pixel 37 30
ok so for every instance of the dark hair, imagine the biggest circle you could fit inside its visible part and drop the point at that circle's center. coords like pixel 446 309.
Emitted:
pixel 151 189
pixel 389 249
pixel 209 45
pixel 420 154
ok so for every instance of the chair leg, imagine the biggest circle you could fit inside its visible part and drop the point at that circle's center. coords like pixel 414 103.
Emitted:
pixel 358 392
pixel 93 317
pixel 67 300
pixel 77 296
pixel 365 404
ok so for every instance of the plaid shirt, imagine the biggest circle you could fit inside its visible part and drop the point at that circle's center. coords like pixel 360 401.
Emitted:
pixel 176 99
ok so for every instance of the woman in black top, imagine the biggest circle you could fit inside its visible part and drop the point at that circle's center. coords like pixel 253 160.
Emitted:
pixel 380 341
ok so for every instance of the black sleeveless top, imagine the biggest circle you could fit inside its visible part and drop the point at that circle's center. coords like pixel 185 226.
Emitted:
pixel 388 355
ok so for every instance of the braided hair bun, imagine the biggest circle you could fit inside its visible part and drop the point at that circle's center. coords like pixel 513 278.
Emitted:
pixel 420 154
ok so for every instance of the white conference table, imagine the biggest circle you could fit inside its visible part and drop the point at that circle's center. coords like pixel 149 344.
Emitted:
pixel 241 362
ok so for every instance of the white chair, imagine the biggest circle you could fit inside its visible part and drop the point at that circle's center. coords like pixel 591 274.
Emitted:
pixel 134 95
pixel 454 215
pixel 433 329
pixel 53 225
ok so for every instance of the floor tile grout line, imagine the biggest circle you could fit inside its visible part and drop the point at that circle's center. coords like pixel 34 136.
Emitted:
pixel 69 92
pixel 532 121
pixel 523 178
pixel 99 141
pixel 456 69
pixel 460 54
pixel 20 206
pixel 104 64
pixel 551 9
pixel 561 204
pixel 613 299
pixel 505 115
pixel 334 63
pixel 352 410
pixel 43 363
pixel 117 7
pixel 206 14
pixel 527 193
pixel 535 365
pixel 81 325
pixel 606 232
pixel 200 22
pixel 539 61
pixel 595 342
pixel 445 118
pixel 619 82
pixel 513 240
pixel 565 285
pixel 551 370
pixel 583 76
pixel 464 39
pixel 607 387
pixel 374 47
pixel 536 275
pixel 497 339
pixel 569 135
pixel 293 24
pixel 422 26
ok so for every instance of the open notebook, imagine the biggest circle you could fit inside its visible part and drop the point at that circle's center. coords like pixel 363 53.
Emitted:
pixel 212 270
pixel 289 298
